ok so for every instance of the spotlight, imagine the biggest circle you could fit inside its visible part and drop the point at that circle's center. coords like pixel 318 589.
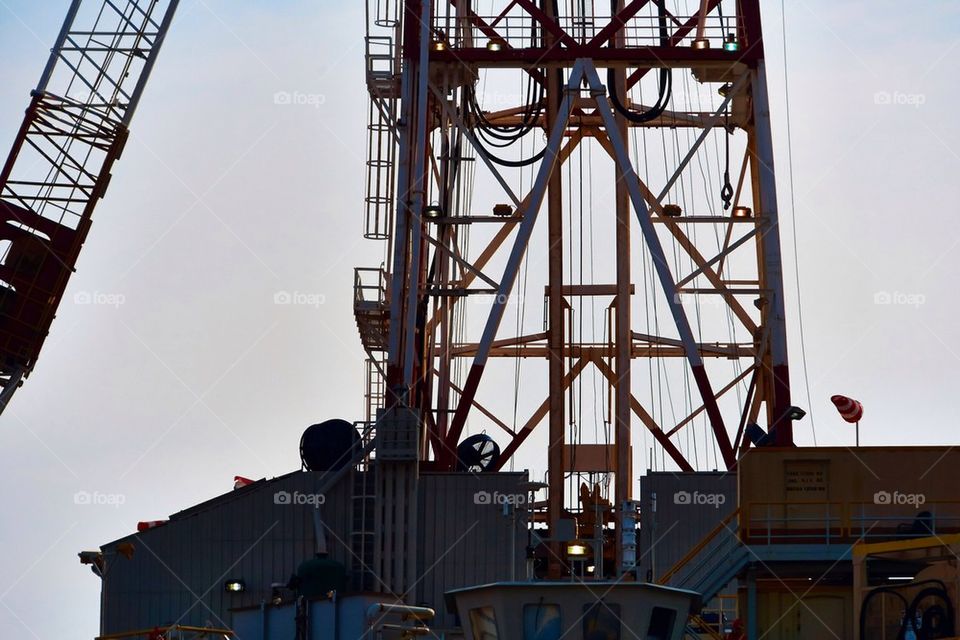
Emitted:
pixel 502 210
pixel 576 550
pixel 730 42
pixel 672 210
pixel 439 42
pixel 496 44
pixel 795 413
pixel 741 211
pixel 432 211
pixel 234 586
pixel 724 90
pixel 700 44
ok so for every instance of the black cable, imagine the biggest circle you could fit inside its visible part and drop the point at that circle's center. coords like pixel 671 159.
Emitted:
pixel 940 615
pixel 665 84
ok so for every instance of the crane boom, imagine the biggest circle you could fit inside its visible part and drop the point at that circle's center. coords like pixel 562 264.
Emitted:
pixel 59 166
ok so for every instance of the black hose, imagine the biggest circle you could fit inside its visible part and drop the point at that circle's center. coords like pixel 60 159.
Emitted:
pixel 940 615
pixel 666 78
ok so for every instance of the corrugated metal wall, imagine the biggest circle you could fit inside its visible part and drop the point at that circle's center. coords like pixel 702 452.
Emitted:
pixel 678 524
pixel 462 542
pixel 178 570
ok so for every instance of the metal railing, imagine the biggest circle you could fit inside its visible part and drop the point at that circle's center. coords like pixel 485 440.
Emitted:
pixel 369 287
pixel 174 632
pixel 831 522
pixel 727 525
pixel 522 30
pixel 794 522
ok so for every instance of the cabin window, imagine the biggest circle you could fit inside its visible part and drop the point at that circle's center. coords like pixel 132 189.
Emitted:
pixel 541 622
pixel 601 621
pixel 661 623
pixel 483 621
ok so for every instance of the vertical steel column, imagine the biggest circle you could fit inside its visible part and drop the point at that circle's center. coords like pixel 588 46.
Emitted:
pixel 771 270
pixel 623 359
pixel 556 465
pixel 406 131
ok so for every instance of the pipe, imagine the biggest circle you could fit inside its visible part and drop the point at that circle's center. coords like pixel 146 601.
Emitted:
pixel 702 19
pixel 384 609
pixel 264 627
pixel 377 624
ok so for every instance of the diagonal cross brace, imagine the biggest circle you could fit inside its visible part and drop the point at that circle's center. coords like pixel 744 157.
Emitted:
pixel 584 70
pixel 547 167
pixel 628 174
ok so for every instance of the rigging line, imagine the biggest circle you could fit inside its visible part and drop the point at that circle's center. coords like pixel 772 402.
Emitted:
pixel 580 305
pixel 706 176
pixel 793 217
pixel 655 409
pixel 597 418
pixel 688 387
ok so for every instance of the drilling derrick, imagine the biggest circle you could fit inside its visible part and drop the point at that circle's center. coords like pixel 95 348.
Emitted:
pixel 577 208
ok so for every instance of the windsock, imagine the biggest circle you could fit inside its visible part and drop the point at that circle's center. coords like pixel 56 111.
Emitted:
pixel 239 482
pixel 150 524
pixel 850 410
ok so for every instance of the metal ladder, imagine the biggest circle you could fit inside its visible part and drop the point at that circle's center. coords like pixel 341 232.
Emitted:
pixel 381 169
pixel 362 527
pixel 376 391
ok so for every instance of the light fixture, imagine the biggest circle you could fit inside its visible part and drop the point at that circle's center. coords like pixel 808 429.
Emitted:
pixel 741 211
pixel 234 586
pixel 724 89
pixel 700 44
pixel 432 211
pixel 672 210
pixel 730 42
pixel 901 578
pixel 795 413
pixel 576 550
pixel 502 210
pixel 439 42
pixel 591 568
pixel 496 44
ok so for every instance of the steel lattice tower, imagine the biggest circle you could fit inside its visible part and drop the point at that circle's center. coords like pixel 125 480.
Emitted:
pixel 701 248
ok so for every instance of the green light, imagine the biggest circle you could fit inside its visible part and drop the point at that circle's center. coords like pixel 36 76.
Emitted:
pixel 730 43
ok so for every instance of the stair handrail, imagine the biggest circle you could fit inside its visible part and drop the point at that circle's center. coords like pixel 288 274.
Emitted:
pixel 690 555
pixel 703 624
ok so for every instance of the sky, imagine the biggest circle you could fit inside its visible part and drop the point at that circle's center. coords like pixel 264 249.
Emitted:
pixel 189 373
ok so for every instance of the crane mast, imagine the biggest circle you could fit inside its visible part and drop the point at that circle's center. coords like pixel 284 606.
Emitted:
pixel 59 167
pixel 677 315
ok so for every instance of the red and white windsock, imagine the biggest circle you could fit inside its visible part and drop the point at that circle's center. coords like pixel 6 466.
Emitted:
pixel 146 525
pixel 850 410
pixel 239 482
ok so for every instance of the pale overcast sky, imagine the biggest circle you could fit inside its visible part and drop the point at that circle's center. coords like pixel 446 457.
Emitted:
pixel 224 198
